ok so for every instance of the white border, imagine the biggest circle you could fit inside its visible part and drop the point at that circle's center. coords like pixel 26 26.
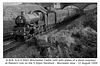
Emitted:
pixel 1 23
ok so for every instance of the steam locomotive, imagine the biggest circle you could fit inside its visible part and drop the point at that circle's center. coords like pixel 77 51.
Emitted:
pixel 39 21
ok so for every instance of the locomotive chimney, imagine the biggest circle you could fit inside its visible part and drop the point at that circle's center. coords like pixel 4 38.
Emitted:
pixel 22 13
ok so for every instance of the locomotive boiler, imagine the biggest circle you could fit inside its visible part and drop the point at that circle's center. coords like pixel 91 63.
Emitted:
pixel 36 22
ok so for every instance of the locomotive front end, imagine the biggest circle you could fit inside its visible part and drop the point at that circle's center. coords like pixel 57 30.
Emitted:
pixel 25 26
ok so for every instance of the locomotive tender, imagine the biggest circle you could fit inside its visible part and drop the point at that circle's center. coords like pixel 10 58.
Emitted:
pixel 36 22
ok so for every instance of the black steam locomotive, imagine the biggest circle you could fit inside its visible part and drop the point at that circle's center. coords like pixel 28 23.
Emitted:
pixel 36 22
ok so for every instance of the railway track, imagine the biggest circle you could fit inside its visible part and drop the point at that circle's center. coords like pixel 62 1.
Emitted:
pixel 8 42
pixel 7 36
pixel 11 45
